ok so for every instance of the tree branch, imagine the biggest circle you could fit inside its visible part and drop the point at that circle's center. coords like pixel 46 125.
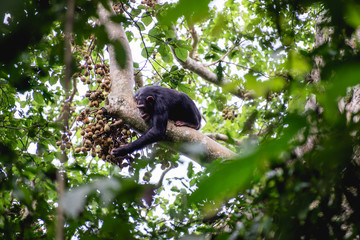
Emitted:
pixel 195 42
pixel 122 78
pixel 222 137
pixel 208 75
pixel 222 58
pixel 60 173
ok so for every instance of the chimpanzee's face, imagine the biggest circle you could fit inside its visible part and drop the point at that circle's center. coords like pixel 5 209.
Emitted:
pixel 145 104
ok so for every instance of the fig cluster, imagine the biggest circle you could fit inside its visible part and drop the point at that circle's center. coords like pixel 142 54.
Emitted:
pixel 96 97
pixel 229 113
pixel 101 71
pixel 101 134
pixel 149 3
pixel 65 142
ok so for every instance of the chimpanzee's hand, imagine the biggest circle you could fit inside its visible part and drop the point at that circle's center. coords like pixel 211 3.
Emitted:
pixel 120 151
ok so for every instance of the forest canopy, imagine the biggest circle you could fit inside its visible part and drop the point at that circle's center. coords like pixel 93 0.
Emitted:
pixel 276 83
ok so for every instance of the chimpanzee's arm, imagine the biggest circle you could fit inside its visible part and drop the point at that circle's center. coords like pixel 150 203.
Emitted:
pixel 155 133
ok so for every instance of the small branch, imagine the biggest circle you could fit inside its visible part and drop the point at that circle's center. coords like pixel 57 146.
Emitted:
pixel 4 94
pixel 208 75
pixel 67 103
pixel 60 219
pixel 222 137
pixel 160 182
pixel 60 174
pixel 19 128
pixel 195 42
pixel 142 39
pixel 71 98
pixel 247 68
pixel 222 58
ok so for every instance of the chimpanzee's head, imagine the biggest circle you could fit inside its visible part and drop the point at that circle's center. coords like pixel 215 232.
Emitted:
pixel 145 104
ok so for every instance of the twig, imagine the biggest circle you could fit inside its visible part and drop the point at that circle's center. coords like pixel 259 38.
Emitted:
pixel 247 68
pixel 208 75
pixel 222 137
pixel 222 58
pixel 142 39
pixel 159 184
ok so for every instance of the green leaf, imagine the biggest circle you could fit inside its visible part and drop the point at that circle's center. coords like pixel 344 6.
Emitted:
pixel 346 75
pixel 224 182
pixel 190 170
pixel 146 19
pixel 129 35
pixel 185 89
pixel 141 26
pixel 183 44
pixel 181 53
pixel 228 178
pixel 120 54
pixel 170 34
pixel 146 52
pixel 352 16
pixel 135 12
pixel 119 19
pixel 164 51
pixel 38 98
pixel 154 34
pixel 192 10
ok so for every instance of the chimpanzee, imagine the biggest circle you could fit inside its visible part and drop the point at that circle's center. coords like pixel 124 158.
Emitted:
pixel 157 105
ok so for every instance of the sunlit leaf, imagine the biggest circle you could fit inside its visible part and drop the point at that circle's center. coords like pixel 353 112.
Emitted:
pixel 298 64
pixel 197 11
pixel 164 51
pixel 38 98
pixel 181 53
pixel 219 27
pixel 146 19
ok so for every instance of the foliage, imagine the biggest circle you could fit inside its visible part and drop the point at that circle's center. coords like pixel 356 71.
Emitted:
pixel 295 176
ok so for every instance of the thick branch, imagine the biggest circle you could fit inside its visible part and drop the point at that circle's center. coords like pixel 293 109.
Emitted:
pixel 122 78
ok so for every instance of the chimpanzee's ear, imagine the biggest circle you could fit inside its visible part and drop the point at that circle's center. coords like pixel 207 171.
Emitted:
pixel 150 99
